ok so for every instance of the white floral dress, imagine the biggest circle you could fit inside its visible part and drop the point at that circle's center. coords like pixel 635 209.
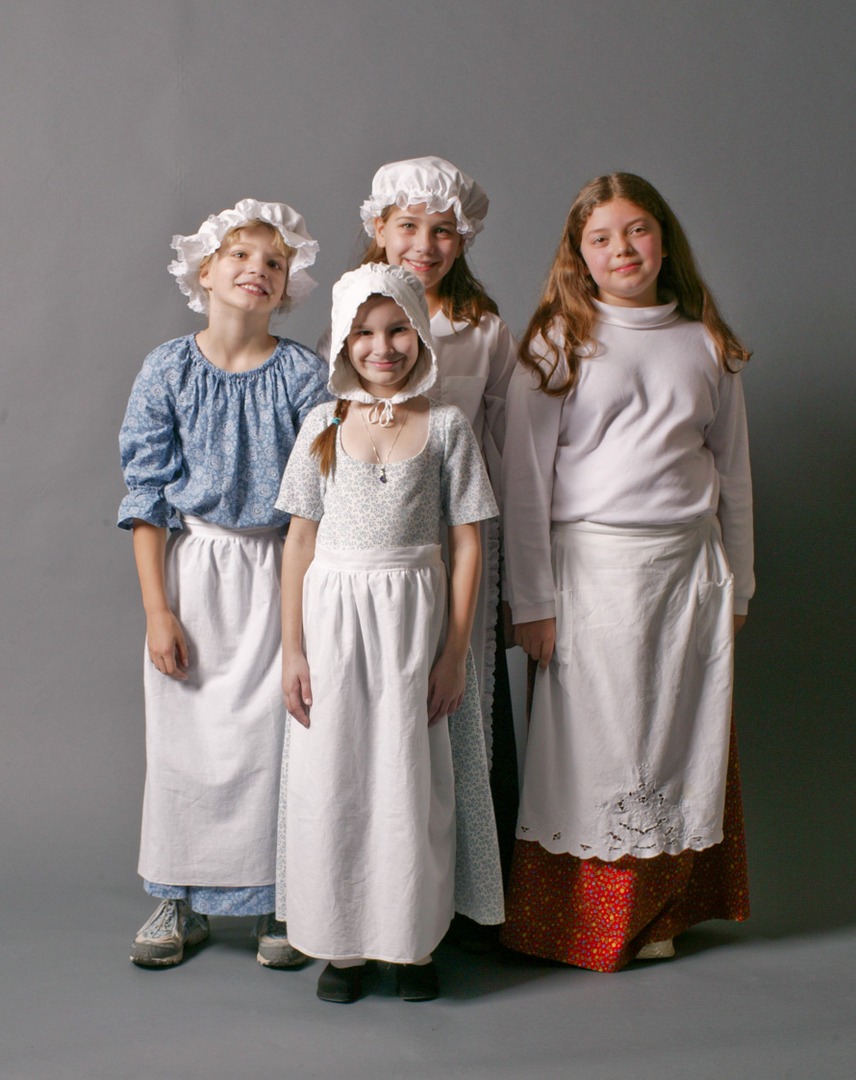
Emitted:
pixel 386 825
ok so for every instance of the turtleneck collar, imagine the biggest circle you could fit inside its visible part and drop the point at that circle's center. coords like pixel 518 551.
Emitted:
pixel 638 318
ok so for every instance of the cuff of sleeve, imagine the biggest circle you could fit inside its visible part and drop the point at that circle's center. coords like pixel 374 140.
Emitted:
pixel 741 605
pixel 521 613
pixel 146 504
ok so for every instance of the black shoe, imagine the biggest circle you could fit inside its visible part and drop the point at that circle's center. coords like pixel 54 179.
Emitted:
pixel 417 982
pixel 342 985
pixel 471 936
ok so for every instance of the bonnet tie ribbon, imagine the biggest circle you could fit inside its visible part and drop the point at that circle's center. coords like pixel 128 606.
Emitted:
pixel 382 412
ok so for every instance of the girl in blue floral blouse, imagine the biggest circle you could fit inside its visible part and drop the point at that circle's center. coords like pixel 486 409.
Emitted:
pixel 210 423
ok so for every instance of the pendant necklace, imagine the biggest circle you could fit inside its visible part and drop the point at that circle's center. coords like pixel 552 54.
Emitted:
pixel 383 464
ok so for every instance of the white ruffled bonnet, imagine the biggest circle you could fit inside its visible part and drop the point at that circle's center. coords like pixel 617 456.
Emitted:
pixel 352 290
pixel 430 180
pixel 191 250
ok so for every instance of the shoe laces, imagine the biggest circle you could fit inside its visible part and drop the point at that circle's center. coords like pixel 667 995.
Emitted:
pixel 163 921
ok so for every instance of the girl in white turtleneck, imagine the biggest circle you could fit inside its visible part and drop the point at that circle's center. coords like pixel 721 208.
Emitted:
pixel 628 531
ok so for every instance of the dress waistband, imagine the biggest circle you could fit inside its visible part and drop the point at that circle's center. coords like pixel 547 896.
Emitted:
pixel 198 527
pixel 400 558
pixel 675 529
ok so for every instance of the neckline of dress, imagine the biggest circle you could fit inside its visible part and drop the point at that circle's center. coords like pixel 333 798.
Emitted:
pixel 200 356
pixel 392 464
pixel 443 326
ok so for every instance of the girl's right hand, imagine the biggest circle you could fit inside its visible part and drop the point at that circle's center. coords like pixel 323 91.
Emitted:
pixel 166 644
pixel 537 639
pixel 296 687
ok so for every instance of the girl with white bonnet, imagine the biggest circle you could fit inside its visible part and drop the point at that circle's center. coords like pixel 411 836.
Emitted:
pixel 209 426
pixel 424 214
pixel 386 824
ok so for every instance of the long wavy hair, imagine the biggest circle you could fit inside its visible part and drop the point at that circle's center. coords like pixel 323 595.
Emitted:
pixel 564 320
pixel 463 298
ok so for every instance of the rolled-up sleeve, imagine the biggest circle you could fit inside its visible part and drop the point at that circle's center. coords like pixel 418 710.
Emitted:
pixel 151 454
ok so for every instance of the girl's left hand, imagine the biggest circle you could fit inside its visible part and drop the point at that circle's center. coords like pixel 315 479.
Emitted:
pixel 446 685
pixel 296 686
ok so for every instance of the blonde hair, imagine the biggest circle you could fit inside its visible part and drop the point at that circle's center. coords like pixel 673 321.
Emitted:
pixel 566 310
pixel 463 298
pixel 234 235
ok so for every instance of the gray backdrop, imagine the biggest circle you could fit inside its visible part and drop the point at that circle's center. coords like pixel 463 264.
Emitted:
pixel 123 123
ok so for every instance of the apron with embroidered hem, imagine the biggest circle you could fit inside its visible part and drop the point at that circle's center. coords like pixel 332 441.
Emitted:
pixel 628 743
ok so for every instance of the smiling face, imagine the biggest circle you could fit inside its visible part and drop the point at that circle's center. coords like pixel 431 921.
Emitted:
pixel 622 246
pixel 426 244
pixel 382 346
pixel 248 272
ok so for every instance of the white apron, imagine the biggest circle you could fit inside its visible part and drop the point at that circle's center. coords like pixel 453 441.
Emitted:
pixel 214 741
pixel 628 743
pixel 369 833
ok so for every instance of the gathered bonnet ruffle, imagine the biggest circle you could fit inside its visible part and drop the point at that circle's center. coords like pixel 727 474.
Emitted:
pixel 432 181
pixel 192 249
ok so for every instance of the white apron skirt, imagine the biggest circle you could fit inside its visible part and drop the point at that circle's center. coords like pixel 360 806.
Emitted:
pixel 367 863
pixel 214 741
pixel 628 743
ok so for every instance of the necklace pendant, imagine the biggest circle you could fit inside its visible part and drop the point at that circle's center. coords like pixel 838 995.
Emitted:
pixel 382 476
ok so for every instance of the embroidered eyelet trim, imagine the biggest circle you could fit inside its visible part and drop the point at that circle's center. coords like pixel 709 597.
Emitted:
pixel 641 821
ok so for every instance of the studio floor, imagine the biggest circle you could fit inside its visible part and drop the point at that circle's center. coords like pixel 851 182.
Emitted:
pixel 733 1005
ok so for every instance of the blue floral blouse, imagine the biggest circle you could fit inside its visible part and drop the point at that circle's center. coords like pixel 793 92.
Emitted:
pixel 199 440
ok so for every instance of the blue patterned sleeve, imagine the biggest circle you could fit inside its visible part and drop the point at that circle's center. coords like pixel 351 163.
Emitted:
pixel 151 455
pixel 310 381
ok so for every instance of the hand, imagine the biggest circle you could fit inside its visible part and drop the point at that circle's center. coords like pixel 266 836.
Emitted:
pixel 296 687
pixel 166 644
pixel 537 639
pixel 446 685
pixel 739 623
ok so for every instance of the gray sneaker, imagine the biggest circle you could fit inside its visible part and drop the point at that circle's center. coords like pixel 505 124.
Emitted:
pixel 275 950
pixel 160 942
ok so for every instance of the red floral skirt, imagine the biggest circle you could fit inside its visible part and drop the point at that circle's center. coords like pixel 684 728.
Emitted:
pixel 598 915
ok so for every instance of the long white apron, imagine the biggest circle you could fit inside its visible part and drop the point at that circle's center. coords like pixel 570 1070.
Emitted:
pixel 628 743
pixel 370 806
pixel 214 741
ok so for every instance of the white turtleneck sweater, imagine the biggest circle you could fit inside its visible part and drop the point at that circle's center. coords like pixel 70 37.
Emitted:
pixel 654 433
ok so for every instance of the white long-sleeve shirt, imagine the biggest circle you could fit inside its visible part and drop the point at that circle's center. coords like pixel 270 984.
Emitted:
pixel 654 433
pixel 475 365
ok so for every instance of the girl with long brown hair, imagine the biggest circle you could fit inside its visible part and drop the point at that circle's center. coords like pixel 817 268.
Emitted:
pixel 628 523
pixel 424 214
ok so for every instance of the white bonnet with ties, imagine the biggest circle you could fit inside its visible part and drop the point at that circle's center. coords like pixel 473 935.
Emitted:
pixel 193 249
pixel 432 181
pixel 349 293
